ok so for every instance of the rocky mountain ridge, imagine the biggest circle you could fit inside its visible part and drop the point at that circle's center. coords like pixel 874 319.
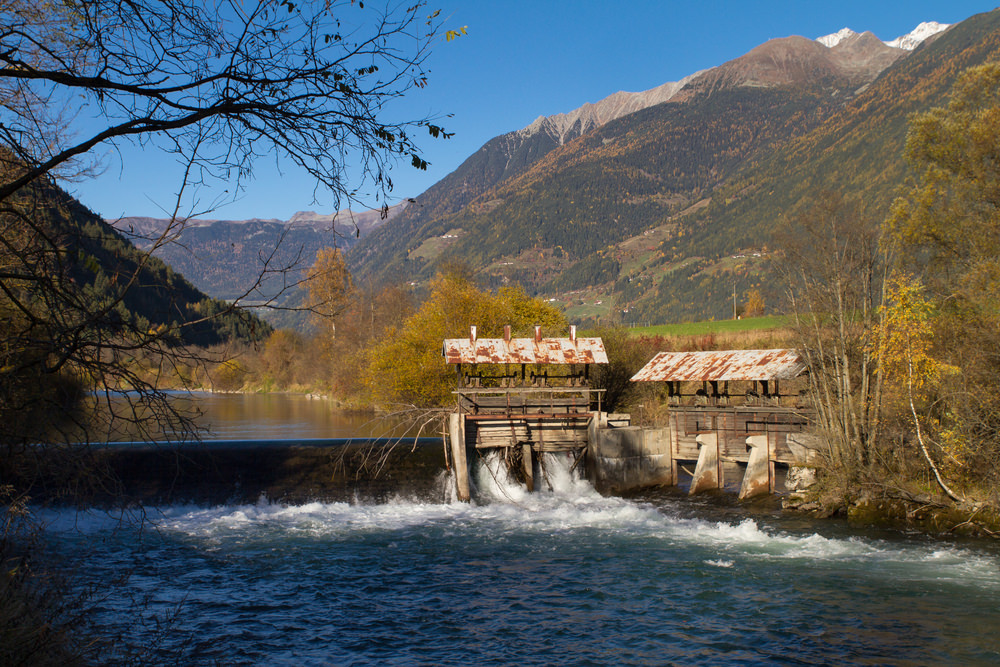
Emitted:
pixel 566 126
pixel 224 257
pixel 841 70
pixel 346 223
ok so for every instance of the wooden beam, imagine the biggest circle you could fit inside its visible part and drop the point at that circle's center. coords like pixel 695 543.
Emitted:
pixel 456 431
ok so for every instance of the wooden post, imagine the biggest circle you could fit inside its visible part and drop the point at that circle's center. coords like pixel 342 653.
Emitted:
pixel 456 431
pixel 529 467
pixel 674 447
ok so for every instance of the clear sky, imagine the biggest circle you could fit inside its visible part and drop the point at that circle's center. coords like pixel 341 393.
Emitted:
pixel 526 58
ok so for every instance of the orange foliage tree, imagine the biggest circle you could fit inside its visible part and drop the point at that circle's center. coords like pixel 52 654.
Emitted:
pixel 406 365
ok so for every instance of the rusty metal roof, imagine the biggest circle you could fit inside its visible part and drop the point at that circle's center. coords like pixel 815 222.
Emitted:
pixel 525 351
pixel 722 365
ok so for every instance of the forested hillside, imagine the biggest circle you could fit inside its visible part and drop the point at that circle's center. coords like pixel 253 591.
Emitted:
pixel 141 289
pixel 857 152
pixel 664 214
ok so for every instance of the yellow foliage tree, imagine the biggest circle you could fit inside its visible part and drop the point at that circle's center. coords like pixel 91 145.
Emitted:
pixel 406 365
pixel 905 336
pixel 754 306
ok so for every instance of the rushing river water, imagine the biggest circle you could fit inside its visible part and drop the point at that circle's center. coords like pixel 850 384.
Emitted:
pixel 562 576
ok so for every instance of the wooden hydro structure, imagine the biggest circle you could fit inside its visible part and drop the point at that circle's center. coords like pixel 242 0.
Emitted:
pixel 728 412
pixel 523 397
pixel 735 415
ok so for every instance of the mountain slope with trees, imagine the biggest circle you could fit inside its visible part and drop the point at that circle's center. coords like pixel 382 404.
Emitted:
pixel 858 151
pixel 572 208
pixel 502 158
pixel 666 212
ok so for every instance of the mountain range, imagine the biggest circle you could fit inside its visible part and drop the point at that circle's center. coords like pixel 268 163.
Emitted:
pixel 660 205
pixel 227 257
pixel 596 208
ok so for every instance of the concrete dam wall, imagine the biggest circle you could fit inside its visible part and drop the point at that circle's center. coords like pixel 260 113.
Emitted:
pixel 236 472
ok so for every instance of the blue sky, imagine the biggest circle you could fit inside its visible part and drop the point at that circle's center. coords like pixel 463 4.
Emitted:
pixel 522 59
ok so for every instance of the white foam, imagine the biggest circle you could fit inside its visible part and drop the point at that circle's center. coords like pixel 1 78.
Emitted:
pixel 564 503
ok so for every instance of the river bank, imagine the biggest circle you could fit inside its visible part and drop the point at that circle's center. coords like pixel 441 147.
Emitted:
pixel 896 509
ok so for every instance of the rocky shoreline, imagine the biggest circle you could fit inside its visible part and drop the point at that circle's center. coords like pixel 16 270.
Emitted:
pixel 923 513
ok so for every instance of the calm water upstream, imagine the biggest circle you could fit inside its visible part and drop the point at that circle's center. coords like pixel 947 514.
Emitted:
pixel 563 576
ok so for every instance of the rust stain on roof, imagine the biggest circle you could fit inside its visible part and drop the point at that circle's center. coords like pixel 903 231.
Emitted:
pixel 722 365
pixel 525 351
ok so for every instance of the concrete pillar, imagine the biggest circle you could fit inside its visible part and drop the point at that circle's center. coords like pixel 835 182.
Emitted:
pixel 460 466
pixel 598 421
pixel 757 479
pixel 529 467
pixel 595 472
pixel 706 473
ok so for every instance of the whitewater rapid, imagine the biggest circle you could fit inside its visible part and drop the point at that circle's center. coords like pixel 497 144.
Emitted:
pixel 565 504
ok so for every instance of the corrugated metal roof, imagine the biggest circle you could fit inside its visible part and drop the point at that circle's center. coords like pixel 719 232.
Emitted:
pixel 722 365
pixel 525 351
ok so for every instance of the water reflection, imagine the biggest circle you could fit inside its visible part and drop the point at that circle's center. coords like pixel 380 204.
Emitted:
pixel 251 417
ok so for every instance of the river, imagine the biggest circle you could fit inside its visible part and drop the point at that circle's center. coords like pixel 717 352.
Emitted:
pixel 563 576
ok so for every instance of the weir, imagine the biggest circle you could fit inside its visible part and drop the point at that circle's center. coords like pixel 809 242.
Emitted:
pixel 535 418
pixel 737 415
pixel 730 439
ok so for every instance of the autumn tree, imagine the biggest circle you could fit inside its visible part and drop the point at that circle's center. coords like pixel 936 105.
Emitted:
pixel 911 375
pixel 947 230
pixel 406 365
pixel 754 304
pixel 369 314
pixel 329 284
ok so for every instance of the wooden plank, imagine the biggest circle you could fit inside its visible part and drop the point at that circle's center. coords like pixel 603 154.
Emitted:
pixel 460 466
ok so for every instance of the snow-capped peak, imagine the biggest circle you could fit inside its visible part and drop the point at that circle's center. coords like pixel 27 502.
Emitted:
pixel 836 38
pixel 919 34
pixel 909 41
